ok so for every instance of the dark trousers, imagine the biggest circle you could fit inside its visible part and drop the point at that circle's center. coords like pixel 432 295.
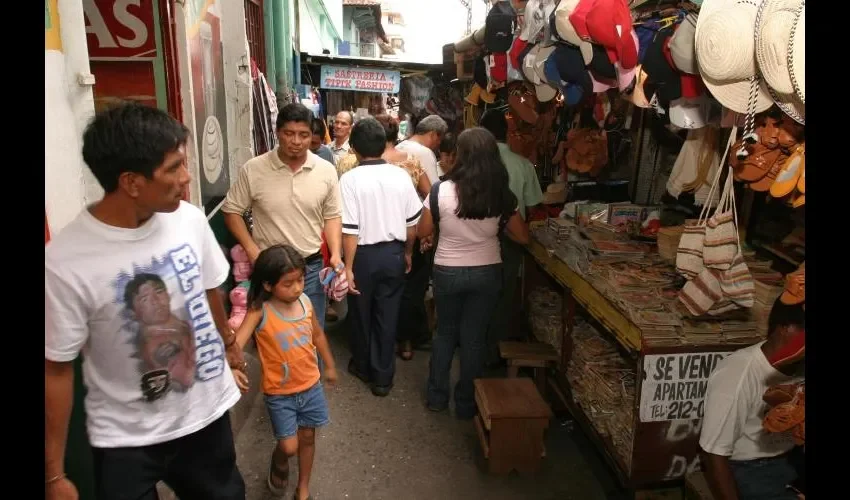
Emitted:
pixel 373 315
pixel 200 466
pixel 502 318
pixel 412 317
pixel 764 478
pixel 466 297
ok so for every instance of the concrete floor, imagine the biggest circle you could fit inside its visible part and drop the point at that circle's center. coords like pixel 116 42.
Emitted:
pixel 394 448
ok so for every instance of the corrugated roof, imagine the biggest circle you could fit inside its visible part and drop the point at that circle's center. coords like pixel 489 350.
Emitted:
pixel 361 2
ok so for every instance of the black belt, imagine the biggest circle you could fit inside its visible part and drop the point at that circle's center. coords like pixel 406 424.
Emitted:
pixel 314 257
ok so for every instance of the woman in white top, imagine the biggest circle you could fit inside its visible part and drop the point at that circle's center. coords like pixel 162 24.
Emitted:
pixel 474 205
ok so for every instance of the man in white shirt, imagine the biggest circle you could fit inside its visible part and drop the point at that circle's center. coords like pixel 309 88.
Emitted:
pixel 743 461
pixel 426 139
pixel 132 284
pixel 379 216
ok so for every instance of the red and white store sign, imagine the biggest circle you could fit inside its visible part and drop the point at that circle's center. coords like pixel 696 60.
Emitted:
pixel 120 29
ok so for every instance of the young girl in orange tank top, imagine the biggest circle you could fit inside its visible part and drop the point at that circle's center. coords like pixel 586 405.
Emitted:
pixel 281 319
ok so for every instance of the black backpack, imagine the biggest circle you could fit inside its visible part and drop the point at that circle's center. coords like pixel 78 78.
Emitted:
pixel 499 27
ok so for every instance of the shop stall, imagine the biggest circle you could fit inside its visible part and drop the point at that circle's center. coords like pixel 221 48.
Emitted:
pixel 707 132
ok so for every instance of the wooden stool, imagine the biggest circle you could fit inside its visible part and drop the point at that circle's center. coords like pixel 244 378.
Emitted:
pixel 535 355
pixel 511 420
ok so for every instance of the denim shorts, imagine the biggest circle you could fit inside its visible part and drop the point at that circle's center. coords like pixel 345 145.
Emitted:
pixel 303 409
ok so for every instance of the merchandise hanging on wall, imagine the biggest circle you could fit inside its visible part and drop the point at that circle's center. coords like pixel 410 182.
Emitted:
pixel 264 106
pixel 205 47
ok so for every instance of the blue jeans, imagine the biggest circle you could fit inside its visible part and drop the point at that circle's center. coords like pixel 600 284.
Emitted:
pixel 465 299
pixel 764 478
pixel 313 289
pixel 303 409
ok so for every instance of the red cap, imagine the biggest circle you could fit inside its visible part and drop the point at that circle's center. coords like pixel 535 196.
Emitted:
pixel 609 23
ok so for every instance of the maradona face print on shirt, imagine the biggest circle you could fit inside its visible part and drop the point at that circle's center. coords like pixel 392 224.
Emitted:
pixel 168 323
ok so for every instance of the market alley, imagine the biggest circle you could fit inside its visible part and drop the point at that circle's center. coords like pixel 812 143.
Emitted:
pixel 393 448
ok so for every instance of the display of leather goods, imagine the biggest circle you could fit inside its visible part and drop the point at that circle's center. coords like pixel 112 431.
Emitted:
pixel 778 394
pixel 759 161
pixel 763 185
pixel 789 416
pixel 587 150
pixel 603 383
pixel 789 176
pixel 523 104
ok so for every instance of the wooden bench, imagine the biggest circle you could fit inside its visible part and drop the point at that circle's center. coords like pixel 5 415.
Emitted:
pixel 512 418
pixel 535 355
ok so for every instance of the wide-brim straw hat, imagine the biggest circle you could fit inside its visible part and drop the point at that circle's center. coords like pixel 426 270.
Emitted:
pixel 725 49
pixel 774 24
pixel 797 54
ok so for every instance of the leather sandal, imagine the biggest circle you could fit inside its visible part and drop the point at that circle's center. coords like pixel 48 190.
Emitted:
pixel 273 470
pixel 765 182
pixel 756 165
pixel 788 177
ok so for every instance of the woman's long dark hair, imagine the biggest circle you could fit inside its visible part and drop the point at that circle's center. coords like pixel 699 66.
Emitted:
pixel 480 177
pixel 271 265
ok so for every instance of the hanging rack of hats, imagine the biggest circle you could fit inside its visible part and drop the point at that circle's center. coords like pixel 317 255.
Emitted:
pixel 750 58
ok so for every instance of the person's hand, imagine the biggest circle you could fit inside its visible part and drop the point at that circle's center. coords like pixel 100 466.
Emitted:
pixel 241 380
pixel 352 288
pixel 408 262
pixel 61 489
pixel 235 356
pixel 426 243
pixel 253 252
pixel 336 263
pixel 331 376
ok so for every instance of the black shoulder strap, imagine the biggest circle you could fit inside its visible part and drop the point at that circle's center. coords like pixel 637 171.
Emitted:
pixel 434 205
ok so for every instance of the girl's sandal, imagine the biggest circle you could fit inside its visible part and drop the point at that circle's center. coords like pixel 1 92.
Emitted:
pixel 276 474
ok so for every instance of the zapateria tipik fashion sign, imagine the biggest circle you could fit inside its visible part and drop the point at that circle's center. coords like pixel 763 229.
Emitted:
pixel 360 79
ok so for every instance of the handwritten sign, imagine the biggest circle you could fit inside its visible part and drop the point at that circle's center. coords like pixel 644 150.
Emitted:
pixel 360 79
pixel 674 385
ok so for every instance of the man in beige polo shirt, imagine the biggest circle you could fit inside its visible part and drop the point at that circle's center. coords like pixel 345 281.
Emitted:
pixel 293 196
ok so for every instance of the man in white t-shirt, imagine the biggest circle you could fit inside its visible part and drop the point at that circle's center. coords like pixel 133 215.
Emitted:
pixel 426 139
pixel 131 284
pixel 743 461
pixel 380 209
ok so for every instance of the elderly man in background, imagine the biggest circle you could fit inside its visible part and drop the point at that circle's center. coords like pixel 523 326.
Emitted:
pixel 342 130
pixel 425 141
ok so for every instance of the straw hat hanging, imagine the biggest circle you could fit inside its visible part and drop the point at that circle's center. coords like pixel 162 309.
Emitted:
pixel 774 24
pixel 726 55
pixel 797 54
